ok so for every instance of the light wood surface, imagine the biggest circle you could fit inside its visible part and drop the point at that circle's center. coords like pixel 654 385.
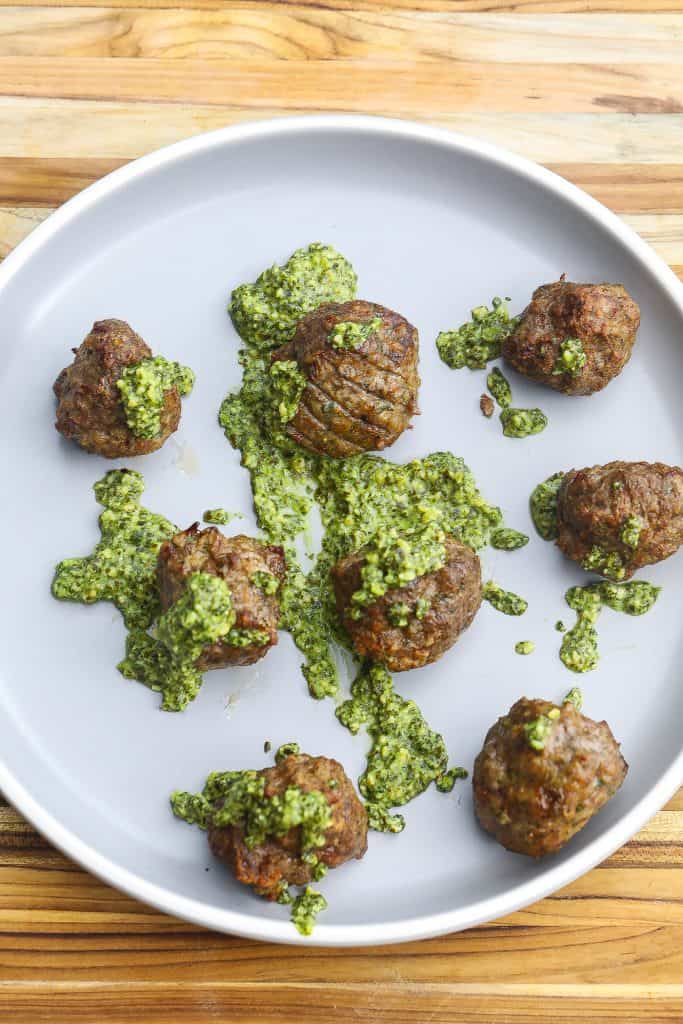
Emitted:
pixel 594 90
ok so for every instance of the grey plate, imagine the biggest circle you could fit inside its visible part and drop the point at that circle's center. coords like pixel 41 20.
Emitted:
pixel 434 224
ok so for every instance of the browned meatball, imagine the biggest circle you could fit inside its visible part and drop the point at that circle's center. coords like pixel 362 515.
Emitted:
pixel 236 560
pixel 436 608
pixel 89 407
pixel 278 861
pixel 356 399
pixel 616 518
pixel 602 317
pixel 534 800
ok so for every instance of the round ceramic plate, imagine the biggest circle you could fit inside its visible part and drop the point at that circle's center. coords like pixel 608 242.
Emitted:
pixel 434 224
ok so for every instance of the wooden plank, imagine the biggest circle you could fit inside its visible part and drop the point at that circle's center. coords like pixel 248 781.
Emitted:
pixel 481 6
pixel 76 129
pixel 398 89
pixel 321 1004
pixel 625 188
pixel 284 31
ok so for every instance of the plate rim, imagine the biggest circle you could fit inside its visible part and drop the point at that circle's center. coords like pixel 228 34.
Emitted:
pixel 413 928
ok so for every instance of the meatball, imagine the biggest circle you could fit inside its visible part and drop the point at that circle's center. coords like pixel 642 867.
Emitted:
pixel 411 626
pixel 534 798
pixel 361 386
pixel 89 407
pixel 277 861
pixel 574 337
pixel 236 560
pixel 616 518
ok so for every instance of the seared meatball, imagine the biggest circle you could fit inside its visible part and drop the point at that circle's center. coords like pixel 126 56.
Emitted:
pixel 278 861
pixel 534 799
pixel 357 398
pixel 89 407
pixel 602 318
pixel 236 560
pixel 413 625
pixel 616 518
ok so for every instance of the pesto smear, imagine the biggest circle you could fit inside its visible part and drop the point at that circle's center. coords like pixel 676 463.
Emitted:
pixel 504 601
pixel 350 335
pixel 579 649
pixel 515 422
pixel 475 343
pixel 543 506
pixel 220 516
pixel 571 358
pixel 398 515
pixel 143 388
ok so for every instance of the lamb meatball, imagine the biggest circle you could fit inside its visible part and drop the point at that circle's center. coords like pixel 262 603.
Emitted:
pixel 614 519
pixel 360 363
pixel 411 626
pixel 236 560
pixel 574 337
pixel 89 407
pixel 277 861
pixel 542 774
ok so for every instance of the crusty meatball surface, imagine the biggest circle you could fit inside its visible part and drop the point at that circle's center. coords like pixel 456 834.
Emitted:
pixel 602 317
pixel 633 510
pixel 278 860
pixel 356 399
pixel 234 559
pixel 450 599
pixel 89 407
pixel 534 800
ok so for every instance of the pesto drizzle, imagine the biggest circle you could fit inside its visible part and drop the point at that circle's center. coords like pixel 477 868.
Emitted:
pixel 543 506
pixel 480 340
pixel 579 649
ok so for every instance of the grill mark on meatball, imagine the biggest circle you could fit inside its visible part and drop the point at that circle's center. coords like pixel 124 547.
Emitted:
pixel 385 392
pixel 344 414
pixel 398 406
pixel 369 416
pixel 344 447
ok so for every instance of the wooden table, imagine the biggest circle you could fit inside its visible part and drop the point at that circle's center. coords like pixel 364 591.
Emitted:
pixel 594 90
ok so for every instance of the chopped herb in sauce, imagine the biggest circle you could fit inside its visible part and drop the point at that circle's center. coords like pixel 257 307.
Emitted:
pixel 305 910
pixel 503 600
pixel 543 506
pixel 286 750
pixel 477 342
pixel 220 516
pixel 604 563
pixel 538 730
pixel 447 781
pixel 523 422
pixel 122 568
pixel 525 647
pixel 499 386
pixel 247 637
pixel 560 626
pixel 350 335
pixel 265 581
pixel 579 650
pixel 143 388
pixel 574 697
pixel 147 661
pixel 571 358
pixel 505 539
pixel 395 559
pixel 202 615
pixel 630 532
pixel 289 384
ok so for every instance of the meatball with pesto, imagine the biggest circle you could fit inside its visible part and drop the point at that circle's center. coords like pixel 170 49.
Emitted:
pixel 543 773
pixel 616 518
pixel 329 824
pixel 412 625
pixel 574 337
pixel 116 399
pixel 356 363
pixel 253 572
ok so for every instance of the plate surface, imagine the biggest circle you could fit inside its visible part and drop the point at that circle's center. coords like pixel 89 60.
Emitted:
pixel 434 224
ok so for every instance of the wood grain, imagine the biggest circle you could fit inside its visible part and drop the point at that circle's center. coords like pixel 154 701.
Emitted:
pixel 594 90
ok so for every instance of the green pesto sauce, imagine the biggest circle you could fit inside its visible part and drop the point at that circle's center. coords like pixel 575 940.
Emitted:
pixel 143 388
pixel 571 358
pixel 286 750
pixel 289 384
pixel 202 615
pixel 560 626
pixel 538 730
pixel 574 697
pixel 630 532
pixel 220 516
pixel 348 334
pixel 406 755
pixel 579 649
pixel 395 559
pixel 475 343
pixel 505 539
pixel 401 614
pixel 305 910
pixel 523 422
pixel 266 313
pixel 148 662
pixel 503 600
pixel 525 647
pixel 499 386
pixel 604 562
pixel 265 581
pixel 247 637
pixel 122 568
pixel 543 506
pixel 447 781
